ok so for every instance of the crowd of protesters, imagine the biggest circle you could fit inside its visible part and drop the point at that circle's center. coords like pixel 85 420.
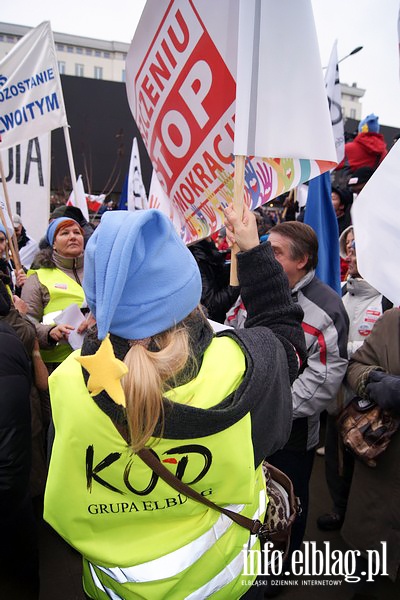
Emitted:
pixel 292 350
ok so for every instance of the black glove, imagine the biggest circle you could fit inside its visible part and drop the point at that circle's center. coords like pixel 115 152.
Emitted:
pixel 384 389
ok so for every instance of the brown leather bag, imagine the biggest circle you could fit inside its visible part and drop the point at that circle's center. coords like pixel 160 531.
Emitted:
pixel 366 429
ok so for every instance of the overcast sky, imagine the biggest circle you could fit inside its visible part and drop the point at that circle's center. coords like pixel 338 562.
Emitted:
pixel 368 23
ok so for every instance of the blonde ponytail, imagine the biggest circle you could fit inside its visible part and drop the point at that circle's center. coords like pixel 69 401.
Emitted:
pixel 145 383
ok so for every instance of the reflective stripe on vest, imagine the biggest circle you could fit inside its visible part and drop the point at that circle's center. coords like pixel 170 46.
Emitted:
pixel 166 566
pixel 103 588
pixel 102 510
pixel 63 291
pixel 170 565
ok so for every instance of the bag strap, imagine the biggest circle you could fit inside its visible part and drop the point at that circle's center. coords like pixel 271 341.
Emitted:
pixel 253 525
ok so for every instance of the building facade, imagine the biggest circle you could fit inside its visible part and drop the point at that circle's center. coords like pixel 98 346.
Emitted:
pixel 76 55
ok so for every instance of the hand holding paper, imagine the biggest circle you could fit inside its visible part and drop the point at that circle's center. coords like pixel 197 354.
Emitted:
pixel 71 318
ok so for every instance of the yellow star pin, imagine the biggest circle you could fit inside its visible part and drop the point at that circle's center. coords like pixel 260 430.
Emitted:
pixel 105 372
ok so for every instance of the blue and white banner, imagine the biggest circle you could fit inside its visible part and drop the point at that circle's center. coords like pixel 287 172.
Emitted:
pixel 31 99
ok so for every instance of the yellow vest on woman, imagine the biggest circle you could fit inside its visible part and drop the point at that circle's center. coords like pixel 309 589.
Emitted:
pixel 138 536
pixel 63 291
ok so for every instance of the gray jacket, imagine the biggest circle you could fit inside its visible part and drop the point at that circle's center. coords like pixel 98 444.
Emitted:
pixel 325 325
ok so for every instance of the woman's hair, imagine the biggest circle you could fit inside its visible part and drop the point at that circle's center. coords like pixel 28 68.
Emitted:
pixel 152 364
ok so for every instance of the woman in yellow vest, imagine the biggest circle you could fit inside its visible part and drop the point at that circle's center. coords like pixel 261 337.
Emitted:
pixel 54 284
pixel 152 373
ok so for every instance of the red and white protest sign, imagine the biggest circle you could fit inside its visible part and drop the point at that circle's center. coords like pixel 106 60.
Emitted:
pixel 181 85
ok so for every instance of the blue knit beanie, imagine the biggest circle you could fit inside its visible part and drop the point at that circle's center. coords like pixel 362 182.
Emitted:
pixel 369 125
pixel 140 279
pixel 2 229
pixel 54 225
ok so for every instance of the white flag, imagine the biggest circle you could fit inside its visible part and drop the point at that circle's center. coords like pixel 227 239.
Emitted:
pixel 334 94
pixel 31 99
pixel 80 201
pixel 137 198
pixel 376 219
pixel 281 107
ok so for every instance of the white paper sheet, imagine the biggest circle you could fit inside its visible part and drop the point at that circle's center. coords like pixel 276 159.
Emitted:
pixel 72 316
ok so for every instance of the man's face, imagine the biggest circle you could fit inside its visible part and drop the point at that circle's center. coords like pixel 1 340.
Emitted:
pixel 18 230
pixel 294 268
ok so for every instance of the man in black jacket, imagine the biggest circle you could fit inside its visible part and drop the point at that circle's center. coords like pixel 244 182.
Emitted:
pixel 19 568
pixel 217 295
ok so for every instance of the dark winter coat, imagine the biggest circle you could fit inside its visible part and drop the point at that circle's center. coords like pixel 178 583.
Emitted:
pixel 217 295
pixel 373 514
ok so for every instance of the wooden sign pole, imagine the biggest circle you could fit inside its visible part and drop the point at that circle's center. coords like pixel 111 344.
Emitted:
pixel 238 193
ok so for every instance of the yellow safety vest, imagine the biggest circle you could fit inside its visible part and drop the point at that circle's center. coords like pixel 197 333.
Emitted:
pixel 63 291
pixel 139 537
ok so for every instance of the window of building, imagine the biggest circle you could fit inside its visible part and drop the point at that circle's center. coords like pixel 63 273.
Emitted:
pixel 79 50
pixel 61 67
pixel 106 54
pixel 70 49
pixel 97 53
pixel 1 37
pixel 353 113
pixel 89 52
pixel 123 75
pixel 79 70
pixel 10 38
pixel 98 72
pixel 60 47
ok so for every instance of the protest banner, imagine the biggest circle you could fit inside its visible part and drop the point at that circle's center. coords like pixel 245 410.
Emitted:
pixel 31 98
pixel 137 198
pixel 376 219
pixel 27 174
pixel 181 84
pixel 334 93
pixel 320 214
pixel 78 198
pixel 84 201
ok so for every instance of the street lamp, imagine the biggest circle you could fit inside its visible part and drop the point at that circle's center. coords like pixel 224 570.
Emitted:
pixel 351 53
pixel 347 55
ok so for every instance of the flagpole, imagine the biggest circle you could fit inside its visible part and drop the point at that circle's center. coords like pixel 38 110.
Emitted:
pixel 70 161
pixel 238 191
pixel 12 240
